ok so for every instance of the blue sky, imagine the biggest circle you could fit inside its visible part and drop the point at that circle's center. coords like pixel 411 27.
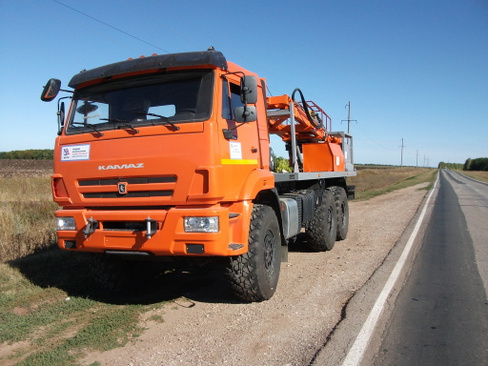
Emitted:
pixel 415 69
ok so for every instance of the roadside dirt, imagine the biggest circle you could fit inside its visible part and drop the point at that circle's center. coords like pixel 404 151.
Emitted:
pixel 207 326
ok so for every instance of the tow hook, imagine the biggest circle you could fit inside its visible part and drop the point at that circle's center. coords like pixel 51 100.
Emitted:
pixel 151 227
pixel 90 227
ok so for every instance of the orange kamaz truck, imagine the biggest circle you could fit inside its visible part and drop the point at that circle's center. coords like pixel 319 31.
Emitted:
pixel 169 156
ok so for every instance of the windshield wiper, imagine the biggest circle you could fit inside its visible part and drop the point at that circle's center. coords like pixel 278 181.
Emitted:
pixel 122 123
pixel 164 119
pixel 93 127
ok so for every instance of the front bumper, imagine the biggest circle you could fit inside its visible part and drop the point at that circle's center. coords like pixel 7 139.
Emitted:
pixel 125 230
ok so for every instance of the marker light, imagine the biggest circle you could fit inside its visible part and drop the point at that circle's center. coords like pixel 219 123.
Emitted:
pixel 65 223
pixel 202 224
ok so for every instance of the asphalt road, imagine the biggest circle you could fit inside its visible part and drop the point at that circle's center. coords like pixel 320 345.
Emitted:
pixel 440 316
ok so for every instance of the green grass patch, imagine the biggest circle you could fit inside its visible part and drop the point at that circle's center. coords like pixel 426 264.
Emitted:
pixel 51 313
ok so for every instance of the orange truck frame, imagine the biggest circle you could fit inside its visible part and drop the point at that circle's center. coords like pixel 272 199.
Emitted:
pixel 169 156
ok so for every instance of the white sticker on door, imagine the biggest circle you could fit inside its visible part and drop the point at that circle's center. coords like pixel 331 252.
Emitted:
pixel 235 150
pixel 75 152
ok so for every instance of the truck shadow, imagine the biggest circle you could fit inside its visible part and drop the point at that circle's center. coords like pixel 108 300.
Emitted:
pixel 157 282
pixel 70 272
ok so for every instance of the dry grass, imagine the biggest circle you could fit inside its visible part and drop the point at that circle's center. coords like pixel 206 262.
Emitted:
pixel 372 181
pixel 26 208
pixel 482 176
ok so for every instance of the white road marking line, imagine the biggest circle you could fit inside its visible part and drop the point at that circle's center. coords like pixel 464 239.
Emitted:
pixel 357 350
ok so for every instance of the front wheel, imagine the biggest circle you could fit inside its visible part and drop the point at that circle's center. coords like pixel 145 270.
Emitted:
pixel 254 275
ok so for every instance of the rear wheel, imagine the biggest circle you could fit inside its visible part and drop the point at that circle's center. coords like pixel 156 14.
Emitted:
pixel 342 208
pixel 322 229
pixel 254 275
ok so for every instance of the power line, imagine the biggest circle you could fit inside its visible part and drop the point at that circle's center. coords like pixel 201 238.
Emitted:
pixel 110 26
pixel 156 17
pixel 371 140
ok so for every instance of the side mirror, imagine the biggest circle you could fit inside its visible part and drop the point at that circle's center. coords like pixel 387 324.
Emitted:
pixel 249 89
pixel 245 114
pixel 60 118
pixel 51 90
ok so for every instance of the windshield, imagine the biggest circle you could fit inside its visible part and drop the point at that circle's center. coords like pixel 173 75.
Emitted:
pixel 166 99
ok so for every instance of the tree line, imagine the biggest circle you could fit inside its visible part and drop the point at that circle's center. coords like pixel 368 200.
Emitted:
pixel 39 154
pixel 478 164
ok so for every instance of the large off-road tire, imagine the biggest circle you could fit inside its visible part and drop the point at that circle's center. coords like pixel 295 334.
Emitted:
pixel 342 210
pixel 322 229
pixel 253 276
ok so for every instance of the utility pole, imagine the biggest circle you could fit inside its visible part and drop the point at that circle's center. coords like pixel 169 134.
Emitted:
pixel 401 156
pixel 349 120
pixel 417 158
pixel 348 115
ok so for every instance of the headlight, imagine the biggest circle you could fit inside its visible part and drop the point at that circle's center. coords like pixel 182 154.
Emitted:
pixel 202 224
pixel 65 223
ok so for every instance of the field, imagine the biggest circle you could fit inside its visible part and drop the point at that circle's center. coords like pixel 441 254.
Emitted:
pixel 26 207
pixel 51 311
pixel 375 180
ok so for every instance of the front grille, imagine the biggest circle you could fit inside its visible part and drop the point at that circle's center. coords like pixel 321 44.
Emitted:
pixel 137 180
pixel 134 187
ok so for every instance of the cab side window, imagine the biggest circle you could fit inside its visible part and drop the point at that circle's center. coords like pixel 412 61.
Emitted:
pixel 230 103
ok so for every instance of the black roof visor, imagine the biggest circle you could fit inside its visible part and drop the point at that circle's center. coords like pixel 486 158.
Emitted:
pixel 211 57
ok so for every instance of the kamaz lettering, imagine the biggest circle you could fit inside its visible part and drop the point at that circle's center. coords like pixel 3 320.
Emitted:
pixel 123 166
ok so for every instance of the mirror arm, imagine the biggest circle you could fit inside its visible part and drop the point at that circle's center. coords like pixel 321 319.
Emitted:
pixel 60 99
pixel 61 114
